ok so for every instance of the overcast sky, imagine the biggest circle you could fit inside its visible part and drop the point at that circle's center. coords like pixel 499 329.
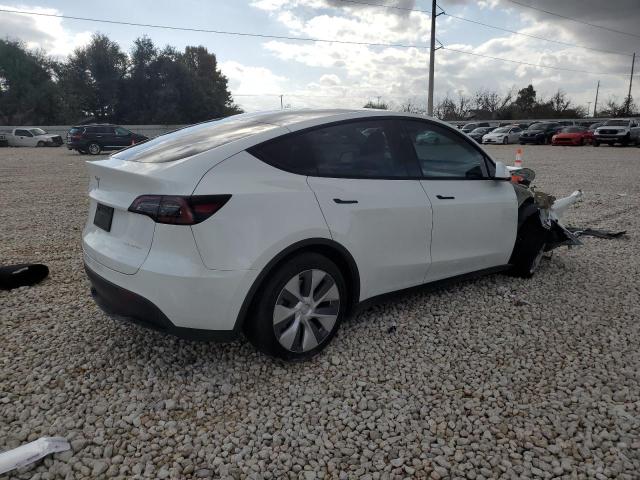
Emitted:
pixel 327 74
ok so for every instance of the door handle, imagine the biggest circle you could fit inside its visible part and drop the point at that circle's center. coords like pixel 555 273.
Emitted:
pixel 344 202
pixel 444 197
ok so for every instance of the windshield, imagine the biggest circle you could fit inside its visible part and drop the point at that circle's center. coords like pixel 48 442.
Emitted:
pixel 617 123
pixel 502 130
pixel 37 131
pixel 480 130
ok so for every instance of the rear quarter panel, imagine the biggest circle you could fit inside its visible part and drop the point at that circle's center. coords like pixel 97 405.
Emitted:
pixel 269 210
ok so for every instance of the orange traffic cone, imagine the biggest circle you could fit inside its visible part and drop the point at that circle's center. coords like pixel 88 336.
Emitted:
pixel 518 161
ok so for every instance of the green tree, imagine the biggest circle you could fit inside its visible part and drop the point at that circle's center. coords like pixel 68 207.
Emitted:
pixel 91 78
pixel 526 99
pixel 28 94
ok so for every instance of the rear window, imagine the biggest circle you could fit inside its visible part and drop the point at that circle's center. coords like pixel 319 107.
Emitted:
pixel 193 140
pixel 76 130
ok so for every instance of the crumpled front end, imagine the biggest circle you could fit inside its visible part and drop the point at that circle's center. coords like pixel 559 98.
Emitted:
pixel 549 208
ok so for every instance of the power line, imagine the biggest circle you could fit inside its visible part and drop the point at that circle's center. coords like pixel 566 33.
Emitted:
pixel 309 39
pixel 465 52
pixel 495 27
pixel 574 19
pixel 219 32
pixel 559 42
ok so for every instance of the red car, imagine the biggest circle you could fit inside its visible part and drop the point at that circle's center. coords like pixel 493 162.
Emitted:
pixel 572 136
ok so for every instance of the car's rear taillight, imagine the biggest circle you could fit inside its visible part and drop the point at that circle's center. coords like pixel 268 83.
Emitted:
pixel 177 210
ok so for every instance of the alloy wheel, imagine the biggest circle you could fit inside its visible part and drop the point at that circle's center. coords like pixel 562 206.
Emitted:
pixel 306 310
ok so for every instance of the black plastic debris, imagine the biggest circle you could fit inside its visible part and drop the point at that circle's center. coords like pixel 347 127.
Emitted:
pixel 592 232
pixel 14 276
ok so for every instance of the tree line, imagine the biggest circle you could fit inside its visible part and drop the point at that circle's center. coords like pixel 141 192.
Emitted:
pixel 100 82
pixel 486 104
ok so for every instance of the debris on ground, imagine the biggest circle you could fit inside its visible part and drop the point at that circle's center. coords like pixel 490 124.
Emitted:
pixel 592 232
pixel 14 276
pixel 31 452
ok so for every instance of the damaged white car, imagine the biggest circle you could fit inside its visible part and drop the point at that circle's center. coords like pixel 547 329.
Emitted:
pixel 277 225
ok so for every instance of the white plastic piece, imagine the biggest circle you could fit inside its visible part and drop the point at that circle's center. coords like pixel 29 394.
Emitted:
pixel 31 452
pixel 561 204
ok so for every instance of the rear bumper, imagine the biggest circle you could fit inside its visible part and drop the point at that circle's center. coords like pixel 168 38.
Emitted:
pixel 121 303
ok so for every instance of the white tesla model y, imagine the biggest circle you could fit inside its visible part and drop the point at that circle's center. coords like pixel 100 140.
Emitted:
pixel 278 224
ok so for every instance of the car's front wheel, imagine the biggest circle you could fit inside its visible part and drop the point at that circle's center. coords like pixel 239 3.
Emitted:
pixel 94 148
pixel 529 248
pixel 299 308
pixel 40 144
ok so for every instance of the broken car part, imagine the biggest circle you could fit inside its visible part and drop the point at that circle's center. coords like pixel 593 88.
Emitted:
pixel 14 276
pixel 31 452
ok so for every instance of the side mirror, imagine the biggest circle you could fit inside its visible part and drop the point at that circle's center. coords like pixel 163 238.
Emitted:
pixel 502 172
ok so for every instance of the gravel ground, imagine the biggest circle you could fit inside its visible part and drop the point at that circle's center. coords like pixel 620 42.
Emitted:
pixel 494 378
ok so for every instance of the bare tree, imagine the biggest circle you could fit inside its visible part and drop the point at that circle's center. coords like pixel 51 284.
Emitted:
pixel 453 108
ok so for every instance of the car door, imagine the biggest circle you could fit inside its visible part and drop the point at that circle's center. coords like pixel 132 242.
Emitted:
pixel 24 138
pixel 474 216
pixel 514 134
pixel 122 137
pixel 371 204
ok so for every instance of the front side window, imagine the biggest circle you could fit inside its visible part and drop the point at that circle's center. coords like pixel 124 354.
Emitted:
pixel 359 149
pixel 37 131
pixel 23 133
pixel 442 153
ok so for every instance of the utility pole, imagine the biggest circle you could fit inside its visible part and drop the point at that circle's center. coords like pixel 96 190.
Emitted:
pixel 281 106
pixel 432 53
pixel 633 61
pixel 595 105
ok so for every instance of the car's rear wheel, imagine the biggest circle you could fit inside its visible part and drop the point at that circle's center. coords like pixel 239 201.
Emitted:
pixel 299 308
pixel 529 248
pixel 94 148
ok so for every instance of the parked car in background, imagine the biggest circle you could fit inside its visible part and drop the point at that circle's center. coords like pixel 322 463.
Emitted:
pixel 470 127
pixel 503 135
pixel 539 133
pixel 623 131
pixel 95 138
pixel 3 140
pixel 478 133
pixel 33 137
pixel 278 224
pixel 572 136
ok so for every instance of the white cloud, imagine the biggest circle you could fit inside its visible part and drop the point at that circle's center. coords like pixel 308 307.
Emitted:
pixel 38 32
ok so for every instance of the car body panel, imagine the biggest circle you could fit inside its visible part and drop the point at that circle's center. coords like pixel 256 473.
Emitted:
pixel 474 225
pixel 387 231
pixel 269 210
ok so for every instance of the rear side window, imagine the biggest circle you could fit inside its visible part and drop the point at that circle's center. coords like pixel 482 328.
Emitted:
pixel 442 153
pixel 23 133
pixel 359 149
pixel 75 130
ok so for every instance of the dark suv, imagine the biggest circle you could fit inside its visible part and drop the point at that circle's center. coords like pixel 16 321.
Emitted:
pixel 94 139
pixel 540 132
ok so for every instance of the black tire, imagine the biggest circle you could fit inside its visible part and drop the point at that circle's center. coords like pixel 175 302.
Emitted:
pixel 581 142
pixel 259 326
pixel 82 152
pixel 529 248
pixel 40 144
pixel 596 143
pixel 94 148
pixel 521 143
pixel 505 141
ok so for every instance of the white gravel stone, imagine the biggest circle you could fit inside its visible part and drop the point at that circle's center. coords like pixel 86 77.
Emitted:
pixel 493 378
